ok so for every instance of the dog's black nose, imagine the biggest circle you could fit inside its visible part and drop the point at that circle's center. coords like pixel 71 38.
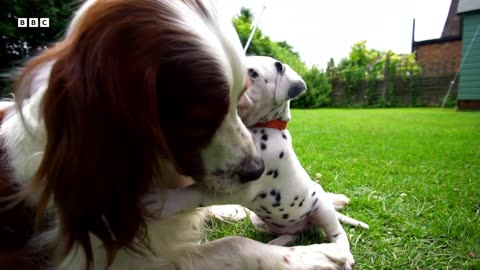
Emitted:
pixel 251 169
pixel 296 89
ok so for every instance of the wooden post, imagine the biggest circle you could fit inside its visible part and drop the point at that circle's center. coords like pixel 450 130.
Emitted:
pixel 386 76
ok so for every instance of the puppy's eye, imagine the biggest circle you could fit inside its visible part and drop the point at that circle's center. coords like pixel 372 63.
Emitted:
pixel 280 67
pixel 252 73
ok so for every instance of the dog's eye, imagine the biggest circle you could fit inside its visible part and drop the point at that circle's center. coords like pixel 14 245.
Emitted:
pixel 252 73
pixel 280 67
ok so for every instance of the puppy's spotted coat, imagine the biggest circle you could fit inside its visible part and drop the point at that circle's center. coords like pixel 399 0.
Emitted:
pixel 288 201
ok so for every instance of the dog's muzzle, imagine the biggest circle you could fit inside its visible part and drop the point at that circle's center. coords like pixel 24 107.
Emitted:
pixel 297 89
pixel 250 169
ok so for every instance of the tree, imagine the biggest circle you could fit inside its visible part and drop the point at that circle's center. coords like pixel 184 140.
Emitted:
pixel 331 70
pixel 319 90
pixel 364 67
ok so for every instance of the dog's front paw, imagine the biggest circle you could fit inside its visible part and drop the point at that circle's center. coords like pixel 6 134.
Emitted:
pixel 228 213
pixel 320 256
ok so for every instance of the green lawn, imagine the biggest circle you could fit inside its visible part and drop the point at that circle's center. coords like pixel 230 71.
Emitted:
pixel 412 174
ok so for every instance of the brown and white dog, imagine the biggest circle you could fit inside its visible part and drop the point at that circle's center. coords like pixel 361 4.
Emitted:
pixel 137 94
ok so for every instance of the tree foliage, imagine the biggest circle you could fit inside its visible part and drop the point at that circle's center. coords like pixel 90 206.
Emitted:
pixel 364 67
pixel 318 86
pixel 19 43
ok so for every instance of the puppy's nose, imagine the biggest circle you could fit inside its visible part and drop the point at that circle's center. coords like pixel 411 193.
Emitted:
pixel 296 89
pixel 251 169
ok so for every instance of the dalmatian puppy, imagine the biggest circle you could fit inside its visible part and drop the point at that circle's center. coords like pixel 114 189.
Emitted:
pixel 288 201
pixel 284 201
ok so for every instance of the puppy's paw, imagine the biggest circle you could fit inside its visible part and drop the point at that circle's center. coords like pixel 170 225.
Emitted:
pixel 339 201
pixel 350 262
pixel 229 213
pixel 283 240
pixel 257 222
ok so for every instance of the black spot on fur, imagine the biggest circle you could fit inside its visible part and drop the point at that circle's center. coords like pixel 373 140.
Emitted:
pixel 292 220
pixel 301 202
pixel 281 155
pixel 281 210
pixel 268 212
pixel 258 210
pixel 278 197
pixel 273 192
pixel 315 202
pixel 336 235
pixel 264 208
pixel 270 172
pixel 296 198
pixel 268 217
pixel 313 194
pixel 285 216
pixel 292 204
pixel 284 136
pixel 262 195
pixel 264 137
pixel 263 146
pixel 279 67
pixel 275 174
pixel 277 204
pixel 266 81
pixel 255 131
pixel 262 131
pixel 252 73
pixel 200 205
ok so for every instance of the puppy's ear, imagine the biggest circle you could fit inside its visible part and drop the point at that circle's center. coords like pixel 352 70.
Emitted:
pixel 294 86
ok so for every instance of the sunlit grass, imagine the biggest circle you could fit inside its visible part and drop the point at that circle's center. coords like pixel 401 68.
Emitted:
pixel 412 174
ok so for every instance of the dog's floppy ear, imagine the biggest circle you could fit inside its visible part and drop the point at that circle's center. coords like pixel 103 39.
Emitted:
pixel 104 139
pixel 294 86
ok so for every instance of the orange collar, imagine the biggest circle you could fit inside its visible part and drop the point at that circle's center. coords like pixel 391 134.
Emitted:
pixel 276 124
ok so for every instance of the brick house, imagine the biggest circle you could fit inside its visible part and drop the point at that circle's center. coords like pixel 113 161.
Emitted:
pixel 441 56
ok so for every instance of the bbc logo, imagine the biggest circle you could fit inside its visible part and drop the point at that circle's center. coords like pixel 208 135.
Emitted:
pixel 33 22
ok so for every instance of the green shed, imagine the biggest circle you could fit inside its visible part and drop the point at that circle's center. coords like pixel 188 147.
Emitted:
pixel 469 84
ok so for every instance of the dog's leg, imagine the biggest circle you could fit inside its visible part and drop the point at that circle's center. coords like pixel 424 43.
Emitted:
pixel 339 201
pixel 284 240
pixel 238 253
pixel 229 212
pixel 326 217
pixel 351 221
pixel 258 223
pixel 161 204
